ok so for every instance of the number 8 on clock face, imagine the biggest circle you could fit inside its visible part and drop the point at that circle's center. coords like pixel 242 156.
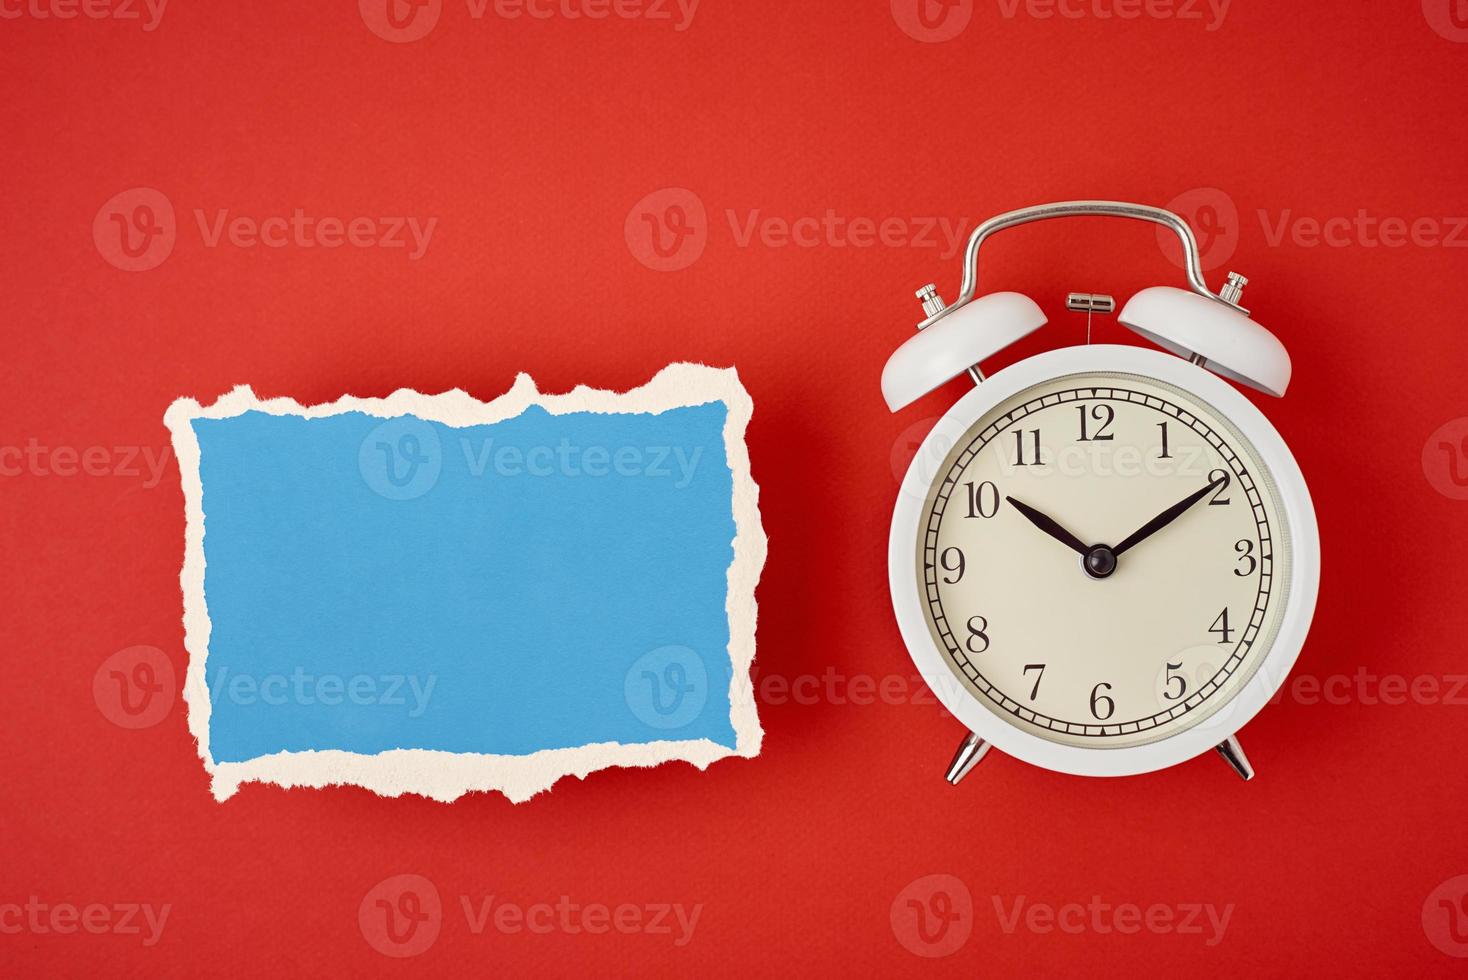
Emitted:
pixel 1102 560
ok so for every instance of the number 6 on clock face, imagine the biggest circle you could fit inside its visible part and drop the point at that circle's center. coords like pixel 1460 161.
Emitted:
pixel 1104 575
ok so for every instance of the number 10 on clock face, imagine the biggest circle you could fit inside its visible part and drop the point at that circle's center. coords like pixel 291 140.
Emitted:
pixel 1102 560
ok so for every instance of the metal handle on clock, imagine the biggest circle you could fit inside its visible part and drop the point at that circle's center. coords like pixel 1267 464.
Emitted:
pixel 1103 209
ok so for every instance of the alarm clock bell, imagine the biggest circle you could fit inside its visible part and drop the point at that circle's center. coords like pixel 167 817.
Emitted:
pixel 953 341
pixel 1211 332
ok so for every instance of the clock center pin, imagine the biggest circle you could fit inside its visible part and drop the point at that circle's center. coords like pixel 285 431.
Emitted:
pixel 1099 562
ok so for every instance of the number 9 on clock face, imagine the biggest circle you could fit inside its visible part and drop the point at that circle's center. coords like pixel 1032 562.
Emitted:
pixel 1102 560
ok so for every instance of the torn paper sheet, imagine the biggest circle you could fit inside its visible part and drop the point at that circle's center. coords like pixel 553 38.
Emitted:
pixel 432 594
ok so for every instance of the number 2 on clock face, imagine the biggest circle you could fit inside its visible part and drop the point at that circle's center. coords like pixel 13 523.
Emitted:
pixel 1102 560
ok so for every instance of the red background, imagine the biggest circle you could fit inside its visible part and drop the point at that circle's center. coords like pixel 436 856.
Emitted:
pixel 531 141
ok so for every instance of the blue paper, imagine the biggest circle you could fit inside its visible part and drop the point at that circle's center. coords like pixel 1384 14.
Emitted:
pixel 541 582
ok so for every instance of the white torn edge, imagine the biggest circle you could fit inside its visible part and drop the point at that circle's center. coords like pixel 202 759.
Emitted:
pixel 442 775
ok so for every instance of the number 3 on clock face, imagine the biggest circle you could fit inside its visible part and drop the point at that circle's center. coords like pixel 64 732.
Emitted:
pixel 1103 560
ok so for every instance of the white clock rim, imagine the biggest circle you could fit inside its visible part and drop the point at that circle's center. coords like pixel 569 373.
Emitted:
pixel 1299 515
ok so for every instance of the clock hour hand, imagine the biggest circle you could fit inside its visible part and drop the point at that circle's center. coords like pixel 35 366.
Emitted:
pixel 1167 516
pixel 1049 525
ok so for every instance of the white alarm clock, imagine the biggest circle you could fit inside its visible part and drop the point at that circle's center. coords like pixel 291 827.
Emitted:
pixel 1103 559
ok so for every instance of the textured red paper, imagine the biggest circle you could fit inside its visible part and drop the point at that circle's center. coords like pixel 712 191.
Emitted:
pixel 539 145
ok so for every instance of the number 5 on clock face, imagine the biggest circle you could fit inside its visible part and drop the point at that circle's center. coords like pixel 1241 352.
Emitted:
pixel 1102 560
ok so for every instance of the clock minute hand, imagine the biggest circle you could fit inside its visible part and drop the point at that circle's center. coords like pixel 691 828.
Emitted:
pixel 1166 517
pixel 1050 526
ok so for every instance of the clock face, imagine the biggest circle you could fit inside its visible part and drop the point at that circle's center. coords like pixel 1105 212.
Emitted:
pixel 1102 560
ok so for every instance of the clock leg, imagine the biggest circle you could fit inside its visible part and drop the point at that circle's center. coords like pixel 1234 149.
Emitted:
pixel 970 751
pixel 1233 754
